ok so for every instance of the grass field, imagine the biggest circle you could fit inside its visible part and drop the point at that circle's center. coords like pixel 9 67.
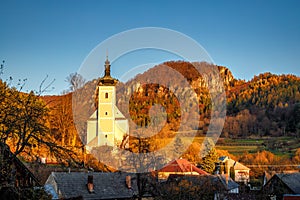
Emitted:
pixel 238 150
pixel 280 146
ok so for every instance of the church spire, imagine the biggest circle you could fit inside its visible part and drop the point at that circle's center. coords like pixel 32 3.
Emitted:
pixel 107 67
pixel 107 79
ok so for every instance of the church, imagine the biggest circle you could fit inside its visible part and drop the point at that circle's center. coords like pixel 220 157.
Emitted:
pixel 107 126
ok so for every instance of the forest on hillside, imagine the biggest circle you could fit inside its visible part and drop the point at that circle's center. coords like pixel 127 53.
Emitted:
pixel 266 106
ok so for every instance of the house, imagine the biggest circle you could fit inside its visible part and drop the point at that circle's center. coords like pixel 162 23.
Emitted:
pixel 284 185
pixel 13 172
pixel 291 197
pixel 229 185
pixel 267 176
pixel 237 171
pixel 94 185
pixel 198 187
pixel 107 125
pixel 179 166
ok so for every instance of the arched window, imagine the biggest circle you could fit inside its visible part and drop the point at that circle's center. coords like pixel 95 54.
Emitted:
pixel 106 95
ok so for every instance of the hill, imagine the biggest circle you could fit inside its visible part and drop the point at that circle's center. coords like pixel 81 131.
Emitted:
pixel 267 105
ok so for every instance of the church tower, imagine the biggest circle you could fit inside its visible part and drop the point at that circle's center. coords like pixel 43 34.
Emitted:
pixel 107 126
pixel 106 95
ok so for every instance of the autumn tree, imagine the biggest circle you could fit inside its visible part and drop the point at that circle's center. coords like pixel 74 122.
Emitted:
pixel 192 153
pixel 23 126
pixel 61 120
pixel 141 161
pixel 222 152
pixel 294 122
pixel 23 122
pixel 204 155
pixel 75 81
pixel 296 157
pixel 22 119
pixel 1 67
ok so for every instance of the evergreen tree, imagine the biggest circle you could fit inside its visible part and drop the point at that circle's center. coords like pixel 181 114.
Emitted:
pixel 178 145
pixel 209 156
pixel 208 162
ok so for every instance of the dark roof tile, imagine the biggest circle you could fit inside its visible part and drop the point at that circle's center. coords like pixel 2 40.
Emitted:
pixel 106 185
pixel 292 180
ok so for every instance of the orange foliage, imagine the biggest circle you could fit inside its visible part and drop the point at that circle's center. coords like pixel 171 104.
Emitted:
pixel 296 158
pixel 221 152
pixel 263 158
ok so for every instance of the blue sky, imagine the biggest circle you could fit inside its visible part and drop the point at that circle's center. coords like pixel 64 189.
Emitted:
pixel 53 38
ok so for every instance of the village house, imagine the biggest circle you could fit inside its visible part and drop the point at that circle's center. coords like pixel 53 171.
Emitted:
pixel 181 167
pixel 237 171
pixel 107 126
pixel 94 185
pixel 198 187
pixel 220 183
pixel 267 176
pixel 283 186
pixel 17 174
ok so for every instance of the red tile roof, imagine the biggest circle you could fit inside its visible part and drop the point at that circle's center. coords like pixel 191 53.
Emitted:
pixel 181 165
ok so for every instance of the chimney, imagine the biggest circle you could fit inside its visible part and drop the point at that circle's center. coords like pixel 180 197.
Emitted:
pixel 226 178
pixel 222 168
pixel 90 184
pixel 128 181
pixel 227 167
pixel 217 168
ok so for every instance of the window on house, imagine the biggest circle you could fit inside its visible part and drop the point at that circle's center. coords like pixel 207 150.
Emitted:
pixel 105 136
pixel 106 95
pixel 105 113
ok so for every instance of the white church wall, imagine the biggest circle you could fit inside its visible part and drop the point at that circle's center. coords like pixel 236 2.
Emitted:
pixel 91 130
